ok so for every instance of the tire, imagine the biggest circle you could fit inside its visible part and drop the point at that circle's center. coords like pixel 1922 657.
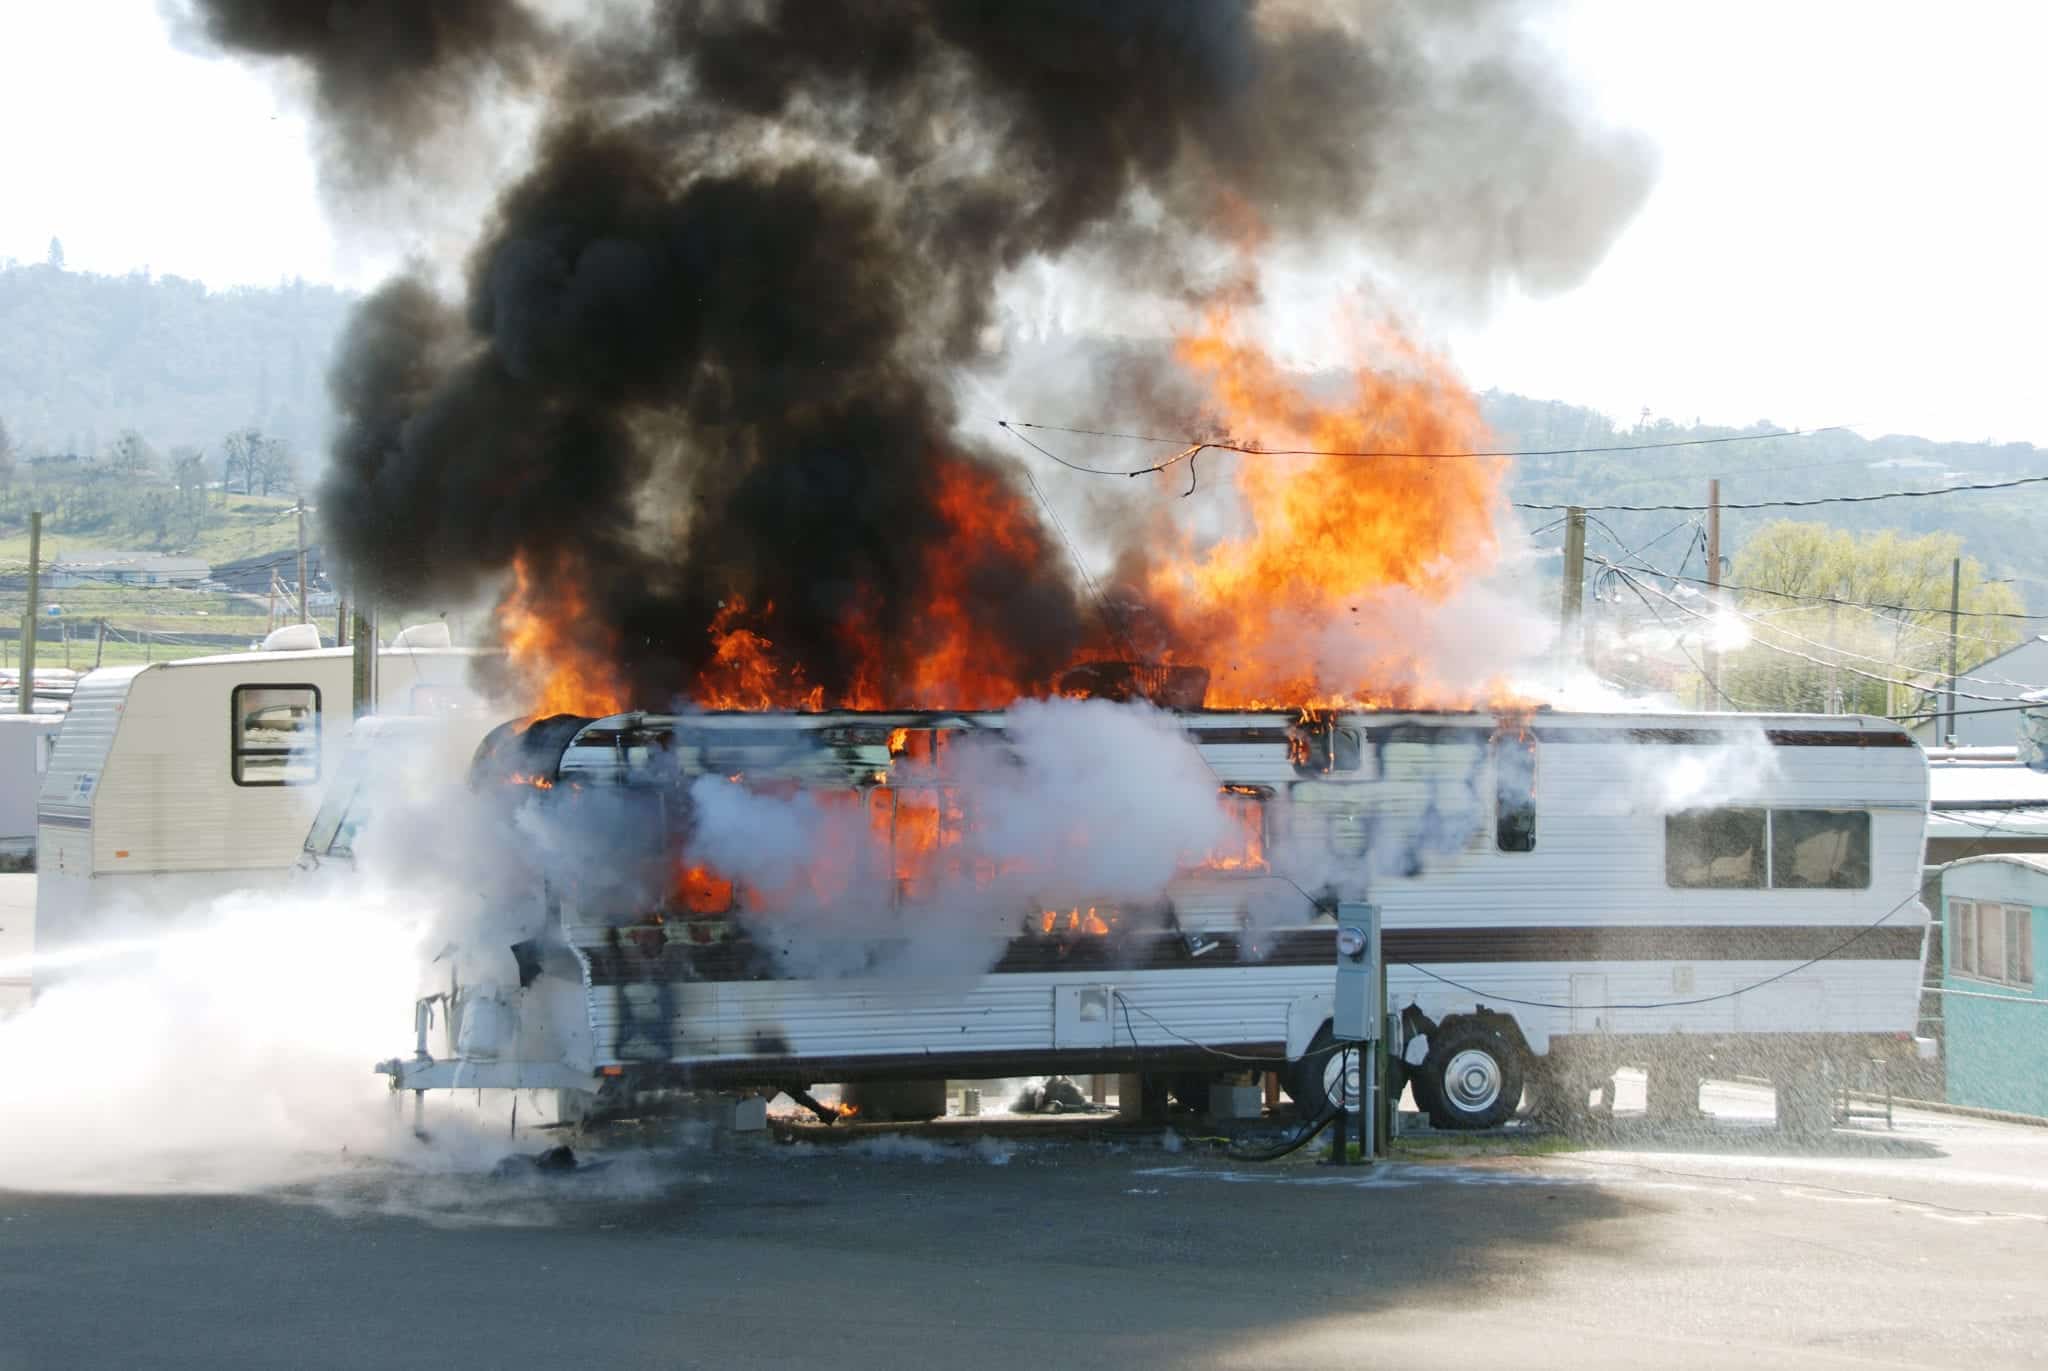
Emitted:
pixel 1312 1082
pixel 1472 1077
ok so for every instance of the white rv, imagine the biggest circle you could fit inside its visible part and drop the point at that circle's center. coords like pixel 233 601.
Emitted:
pixel 177 780
pixel 1561 894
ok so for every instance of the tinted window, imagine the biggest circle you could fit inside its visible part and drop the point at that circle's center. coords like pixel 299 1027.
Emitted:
pixel 276 738
pixel 1820 849
pixel 1714 849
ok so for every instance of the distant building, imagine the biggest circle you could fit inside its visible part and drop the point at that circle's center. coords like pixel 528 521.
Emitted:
pixel 1980 799
pixel 124 568
pixel 2025 665
pixel 1994 1014
pixel 252 575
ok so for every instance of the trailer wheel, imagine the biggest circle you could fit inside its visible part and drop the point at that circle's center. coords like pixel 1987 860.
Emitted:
pixel 1472 1077
pixel 1318 1083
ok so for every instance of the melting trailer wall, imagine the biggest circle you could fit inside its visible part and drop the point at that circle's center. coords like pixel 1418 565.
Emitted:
pixel 1571 920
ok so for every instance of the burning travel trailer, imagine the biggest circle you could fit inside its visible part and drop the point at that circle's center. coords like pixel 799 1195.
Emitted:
pixel 772 899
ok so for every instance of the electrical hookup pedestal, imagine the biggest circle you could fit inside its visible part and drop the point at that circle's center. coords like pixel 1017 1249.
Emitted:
pixel 1358 1024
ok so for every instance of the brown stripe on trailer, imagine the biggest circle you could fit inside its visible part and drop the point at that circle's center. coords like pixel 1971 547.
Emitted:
pixel 745 960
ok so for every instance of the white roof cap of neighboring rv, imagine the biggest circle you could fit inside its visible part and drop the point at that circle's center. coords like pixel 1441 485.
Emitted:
pixel 2035 861
pixel 323 652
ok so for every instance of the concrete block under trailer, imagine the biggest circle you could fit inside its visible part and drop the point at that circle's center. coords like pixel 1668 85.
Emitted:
pixel 1550 917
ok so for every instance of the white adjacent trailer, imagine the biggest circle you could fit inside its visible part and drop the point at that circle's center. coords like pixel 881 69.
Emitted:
pixel 1561 894
pixel 175 781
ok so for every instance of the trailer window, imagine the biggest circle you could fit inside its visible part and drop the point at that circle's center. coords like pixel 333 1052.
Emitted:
pixel 1514 785
pixel 1244 849
pixel 276 734
pixel 1715 849
pixel 1991 942
pixel 1820 849
pixel 924 825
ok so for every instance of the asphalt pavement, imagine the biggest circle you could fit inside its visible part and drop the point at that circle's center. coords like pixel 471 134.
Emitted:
pixel 1714 1244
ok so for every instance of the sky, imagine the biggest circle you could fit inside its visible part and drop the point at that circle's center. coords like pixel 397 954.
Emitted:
pixel 1845 228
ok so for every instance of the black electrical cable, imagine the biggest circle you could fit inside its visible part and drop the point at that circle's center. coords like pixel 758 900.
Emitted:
pixel 1858 935
pixel 1251 450
pixel 1680 575
pixel 1794 504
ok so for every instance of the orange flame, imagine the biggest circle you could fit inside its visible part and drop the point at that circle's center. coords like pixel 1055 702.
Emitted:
pixel 1328 534
pixel 702 892
pixel 1245 848
pixel 744 674
pixel 538 623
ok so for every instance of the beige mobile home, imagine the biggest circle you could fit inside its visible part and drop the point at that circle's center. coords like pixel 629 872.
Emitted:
pixel 177 780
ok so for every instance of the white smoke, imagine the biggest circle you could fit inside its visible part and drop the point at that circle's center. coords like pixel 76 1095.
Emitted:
pixel 1078 801
pixel 227 1043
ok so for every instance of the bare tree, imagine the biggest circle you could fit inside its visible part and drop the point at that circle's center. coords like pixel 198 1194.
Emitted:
pixel 239 459
pixel 272 464
pixel 132 457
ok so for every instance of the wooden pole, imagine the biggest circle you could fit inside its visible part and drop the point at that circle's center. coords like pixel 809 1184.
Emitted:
pixel 364 677
pixel 1955 604
pixel 25 695
pixel 1710 657
pixel 99 645
pixel 1574 583
pixel 304 617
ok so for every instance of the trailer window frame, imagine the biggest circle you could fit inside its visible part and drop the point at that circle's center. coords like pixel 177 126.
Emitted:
pixel 239 750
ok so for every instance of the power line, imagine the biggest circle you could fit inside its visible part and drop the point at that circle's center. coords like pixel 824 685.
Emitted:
pixel 1944 713
pixel 1678 640
pixel 1253 450
pixel 1101 601
pixel 1804 657
pixel 1796 504
pixel 1845 652
pixel 1836 600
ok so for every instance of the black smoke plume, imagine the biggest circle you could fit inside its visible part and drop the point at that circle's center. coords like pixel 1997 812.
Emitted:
pixel 709 336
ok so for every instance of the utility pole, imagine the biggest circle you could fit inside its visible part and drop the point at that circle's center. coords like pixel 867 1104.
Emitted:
pixel 301 510
pixel 1834 670
pixel 341 621
pixel 364 680
pixel 25 694
pixel 1574 583
pixel 99 646
pixel 1709 656
pixel 1954 611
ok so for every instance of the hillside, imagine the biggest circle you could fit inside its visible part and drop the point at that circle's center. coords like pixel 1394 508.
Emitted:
pixel 2000 528
pixel 84 357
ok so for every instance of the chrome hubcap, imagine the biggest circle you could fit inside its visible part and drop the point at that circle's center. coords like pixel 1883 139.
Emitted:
pixel 1340 1079
pixel 1472 1080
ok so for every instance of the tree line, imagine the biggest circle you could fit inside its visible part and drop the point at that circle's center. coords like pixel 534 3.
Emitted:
pixel 133 492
